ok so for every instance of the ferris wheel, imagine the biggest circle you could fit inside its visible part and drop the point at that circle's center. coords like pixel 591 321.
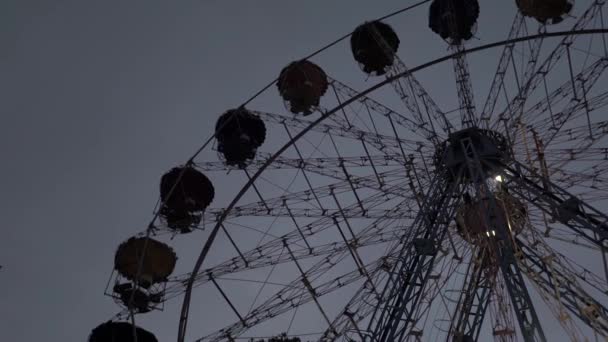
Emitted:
pixel 387 214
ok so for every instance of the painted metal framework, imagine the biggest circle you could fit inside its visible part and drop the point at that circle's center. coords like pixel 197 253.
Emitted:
pixel 392 195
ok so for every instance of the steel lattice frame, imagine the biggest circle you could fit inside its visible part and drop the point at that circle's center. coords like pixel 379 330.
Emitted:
pixel 378 219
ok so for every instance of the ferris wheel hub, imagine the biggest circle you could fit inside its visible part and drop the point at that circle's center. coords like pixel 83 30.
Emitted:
pixel 488 147
pixel 471 220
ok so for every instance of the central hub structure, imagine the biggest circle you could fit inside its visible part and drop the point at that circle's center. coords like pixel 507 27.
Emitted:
pixel 487 147
pixel 472 217
pixel 475 155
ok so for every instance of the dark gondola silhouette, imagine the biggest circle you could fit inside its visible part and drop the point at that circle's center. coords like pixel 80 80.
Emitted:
pixel 137 299
pixel 454 20
pixel 302 84
pixel 143 265
pixel 120 332
pixel 239 133
pixel 184 206
pixel 545 11
pixel 145 261
pixel 374 45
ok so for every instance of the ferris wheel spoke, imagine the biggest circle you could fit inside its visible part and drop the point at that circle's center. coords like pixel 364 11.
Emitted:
pixel 563 164
pixel 538 242
pixel 380 182
pixel 580 151
pixel 282 205
pixel 383 143
pixel 363 304
pixel 365 300
pixel 578 107
pixel 557 281
pixel 574 148
pixel 342 130
pixel 272 252
pixel 326 166
pixel 434 294
pixel 468 115
pixel 392 320
pixel 560 205
pixel 391 186
pixel 354 212
pixel 579 137
pixel 574 145
pixel 336 163
pixel 514 109
pixel 300 291
pixel 416 98
pixel 376 107
pixel 501 70
pixel 579 101
pixel 588 185
pixel 592 154
pixel 501 312
pixel 412 93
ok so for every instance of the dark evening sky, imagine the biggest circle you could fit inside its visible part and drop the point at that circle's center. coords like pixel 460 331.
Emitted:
pixel 99 98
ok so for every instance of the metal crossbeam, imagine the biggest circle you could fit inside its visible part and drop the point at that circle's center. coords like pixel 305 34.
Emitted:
pixel 409 275
pixel 412 93
pixel 585 79
pixel 415 127
pixel 562 206
pixel 415 98
pixel 474 298
pixel 365 301
pixel 281 205
pixel 295 294
pixel 327 166
pixel 333 167
pixel 379 141
pixel 272 253
pixel 468 116
pixel 499 75
pixel 502 247
pixel 558 279
pixel 514 111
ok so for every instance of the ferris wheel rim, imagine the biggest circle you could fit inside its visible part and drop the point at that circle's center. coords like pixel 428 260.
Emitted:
pixel 182 327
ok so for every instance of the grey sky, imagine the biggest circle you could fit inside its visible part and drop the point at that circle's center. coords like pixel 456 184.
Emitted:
pixel 99 98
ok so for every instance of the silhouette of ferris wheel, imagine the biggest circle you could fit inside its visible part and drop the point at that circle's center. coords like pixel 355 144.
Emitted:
pixel 364 216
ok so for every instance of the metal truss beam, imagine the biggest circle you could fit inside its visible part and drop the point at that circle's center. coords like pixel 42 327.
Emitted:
pixel 556 280
pixel 353 212
pixel 418 128
pixel 379 141
pixel 562 206
pixel 499 75
pixel 365 301
pixel 514 111
pixel 412 93
pixel 468 116
pixel 584 81
pixel 272 252
pixel 474 299
pixel 520 298
pixel 503 249
pixel 297 202
pixel 410 273
pixel 297 293
pixel 318 165
pixel 415 98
